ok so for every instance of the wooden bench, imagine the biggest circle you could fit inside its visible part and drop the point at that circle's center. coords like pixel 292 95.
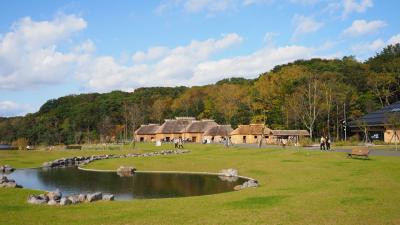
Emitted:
pixel 360 151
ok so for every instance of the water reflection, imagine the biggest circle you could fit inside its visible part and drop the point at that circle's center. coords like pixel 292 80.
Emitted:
pixel 142 185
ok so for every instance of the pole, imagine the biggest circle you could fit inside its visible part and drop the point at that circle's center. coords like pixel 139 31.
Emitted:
pixel 345 123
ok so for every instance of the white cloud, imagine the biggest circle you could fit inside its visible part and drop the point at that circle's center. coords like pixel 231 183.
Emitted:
pixel 10 108
pixel 362 27
pixel 249 65
pixel 269 37
pixel 29 55
pixel 394 39
pixel 172 67
pixel 350 6
pixel 305 25
pixel 368 47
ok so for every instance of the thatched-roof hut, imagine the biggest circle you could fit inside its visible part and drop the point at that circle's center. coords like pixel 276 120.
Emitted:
pixel 249 134
pixel 194 131
pixel 171 129
pixel 217 133
pixel 146 133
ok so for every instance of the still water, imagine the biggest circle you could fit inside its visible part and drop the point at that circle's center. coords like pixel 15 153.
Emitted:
pixel 141 185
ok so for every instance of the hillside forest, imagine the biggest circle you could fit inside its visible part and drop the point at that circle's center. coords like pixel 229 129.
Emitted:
pixel 317 95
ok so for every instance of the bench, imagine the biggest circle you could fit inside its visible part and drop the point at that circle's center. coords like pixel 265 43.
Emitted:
pixel 360 151
pixel 78 147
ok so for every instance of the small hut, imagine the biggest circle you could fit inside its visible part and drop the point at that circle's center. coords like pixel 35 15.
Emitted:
pixel 146 133
pixel 218 133
pixel 173 128
pixel 249 134
pixel 194 131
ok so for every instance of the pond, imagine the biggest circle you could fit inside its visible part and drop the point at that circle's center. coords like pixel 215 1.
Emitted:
pixel 71 180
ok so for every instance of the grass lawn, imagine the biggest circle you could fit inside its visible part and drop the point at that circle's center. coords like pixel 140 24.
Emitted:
pixel 297 187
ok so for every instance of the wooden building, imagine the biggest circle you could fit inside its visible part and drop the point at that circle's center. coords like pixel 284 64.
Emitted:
pixel 379 124
pixel 173 128
pixel 218 133
pixel 195 130
pixel 249 134
pixel 146 133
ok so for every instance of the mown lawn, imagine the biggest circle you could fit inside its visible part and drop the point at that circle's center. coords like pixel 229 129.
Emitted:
pixel 297 187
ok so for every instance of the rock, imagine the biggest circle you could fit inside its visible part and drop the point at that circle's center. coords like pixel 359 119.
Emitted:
pixel 230 172
pixel 3 179
pixel 32 199
pixel 94 197
pixel 82 197
pixel 65 201
pixel 74 199
pixel 54 195
pixel 108 197
pixel 52 202
pixel 46 164
pixel 125 171
pixel 237 187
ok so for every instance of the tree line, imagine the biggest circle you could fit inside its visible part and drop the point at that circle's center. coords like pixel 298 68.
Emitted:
pixel 317 95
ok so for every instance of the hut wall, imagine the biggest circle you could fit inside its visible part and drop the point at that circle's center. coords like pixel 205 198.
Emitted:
pixel 159 137
pixel 145 137
pixel 250 139
pixel 197 136
pixel 389 136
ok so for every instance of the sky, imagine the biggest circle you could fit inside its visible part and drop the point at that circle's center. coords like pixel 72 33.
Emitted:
pixel 53 48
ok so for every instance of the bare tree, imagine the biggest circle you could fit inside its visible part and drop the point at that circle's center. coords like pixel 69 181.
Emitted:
pixel 308 102
pixel 363 125
pixel 135 118
pixel 393 123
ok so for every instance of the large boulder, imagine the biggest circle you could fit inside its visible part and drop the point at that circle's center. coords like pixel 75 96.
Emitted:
pixel 52 202
pixel 94 197
pixel 6 169
pixel 37 200
pixel 54 195
pixel 108 197
pixel 74 199
pixel 126 171
pixel 82 197
pixel 229 172
pixel 65 201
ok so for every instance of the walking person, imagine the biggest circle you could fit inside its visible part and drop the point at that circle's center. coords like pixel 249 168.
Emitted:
pixel 180 143
pixel 322 143
pixel 328 143
pixel 176 143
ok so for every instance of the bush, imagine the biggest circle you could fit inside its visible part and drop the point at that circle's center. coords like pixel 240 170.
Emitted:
pixel 304 142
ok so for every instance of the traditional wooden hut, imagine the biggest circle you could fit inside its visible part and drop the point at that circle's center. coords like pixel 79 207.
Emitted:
pixel 195 130
pixel 146 133
pixel 380 125
pixel 293 136
pixel 217 133
pixel 249 134
pixel 173 128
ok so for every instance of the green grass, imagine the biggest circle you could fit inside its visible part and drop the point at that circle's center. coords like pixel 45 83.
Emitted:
pixel 297 187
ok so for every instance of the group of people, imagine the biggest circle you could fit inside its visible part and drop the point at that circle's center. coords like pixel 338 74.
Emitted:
pixel 325 143
pixel 178 143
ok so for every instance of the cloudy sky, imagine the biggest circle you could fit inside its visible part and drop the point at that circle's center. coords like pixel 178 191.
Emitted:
pixel 53 48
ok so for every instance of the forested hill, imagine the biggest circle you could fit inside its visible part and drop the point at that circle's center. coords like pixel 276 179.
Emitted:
pixel 282 98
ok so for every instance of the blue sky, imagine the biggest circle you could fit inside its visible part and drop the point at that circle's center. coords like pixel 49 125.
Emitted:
pixel 53 48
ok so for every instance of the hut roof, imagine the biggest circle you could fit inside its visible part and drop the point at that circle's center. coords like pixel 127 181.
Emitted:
pixel 220 130
pixel 290 133
pixel 377 118
pixel 174 126
pixel 252 129
pixel 147 129
pixel 200 126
